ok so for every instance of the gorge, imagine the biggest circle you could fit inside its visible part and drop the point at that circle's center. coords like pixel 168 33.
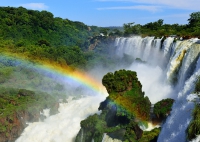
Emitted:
pixel 166 68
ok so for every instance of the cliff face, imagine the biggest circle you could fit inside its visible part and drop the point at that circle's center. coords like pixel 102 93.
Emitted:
pixel 18 108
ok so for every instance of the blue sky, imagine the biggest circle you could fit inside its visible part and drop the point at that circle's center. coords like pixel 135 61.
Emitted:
pixel 113 12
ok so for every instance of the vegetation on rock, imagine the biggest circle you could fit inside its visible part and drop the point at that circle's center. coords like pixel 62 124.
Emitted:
pixel 197 86
pixel 125 91
pixel 39 36
pixel 162 108
pixel 147 136
pixel 123 110
pixel 20 106
pixel 194 127
pixel 22 96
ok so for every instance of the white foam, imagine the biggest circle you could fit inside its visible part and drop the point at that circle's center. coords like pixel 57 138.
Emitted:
pixel 64 126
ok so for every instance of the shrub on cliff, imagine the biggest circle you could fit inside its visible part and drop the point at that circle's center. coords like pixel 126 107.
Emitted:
pixel 197 87
pixel 163 107
pixel 194 127
pixel 125 91
pixel 16 104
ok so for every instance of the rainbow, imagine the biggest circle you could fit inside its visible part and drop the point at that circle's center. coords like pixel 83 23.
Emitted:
pixel 75 75
pixel 63 71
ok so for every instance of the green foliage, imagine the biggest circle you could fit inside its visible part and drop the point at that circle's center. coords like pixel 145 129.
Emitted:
pixel 104 31
pixel 197 86
pixel 24 92
pixel 131 29
pixel 17 103
pixel 37 35
pixel 43 42
pixel 94 127
pixel 124 109
pixel 13 100
pixel 130 135
pixel 20 23
pixel 126 92
pixel 194 127
pixel 194 19
pixel 119 81
pixel 149 136
pixel 163 107
pixel 159 29
pixel 5 72
pixel 146 136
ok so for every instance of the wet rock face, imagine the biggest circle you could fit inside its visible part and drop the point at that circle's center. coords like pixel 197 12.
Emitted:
pixel 19 107
pixel 12 129
pixel 15 124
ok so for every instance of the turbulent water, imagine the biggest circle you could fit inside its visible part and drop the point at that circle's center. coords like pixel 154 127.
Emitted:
pixel 64 126
pixel 180 63
pixel 171 70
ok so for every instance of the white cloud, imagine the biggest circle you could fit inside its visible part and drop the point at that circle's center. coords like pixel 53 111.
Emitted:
pixel 179 4
pixel 138 7
pixel 35 6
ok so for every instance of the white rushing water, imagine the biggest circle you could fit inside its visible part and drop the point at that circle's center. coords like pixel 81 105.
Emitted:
pixel 167 63
pixel 176 124
pixel 182 70
pixel 63 126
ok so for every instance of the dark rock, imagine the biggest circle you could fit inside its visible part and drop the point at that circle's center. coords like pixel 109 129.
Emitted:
pixel 24 92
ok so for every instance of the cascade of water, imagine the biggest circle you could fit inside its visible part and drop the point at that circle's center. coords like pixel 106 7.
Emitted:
pixel 177 122
pixel 63 126
pixel 147 49
pixel 176 59
pixel 181 57
pixel 132 46
pixel 120 42
pixel 157 43
pixel 188 63
pixel 156 53
pixel 167 45
pixel 81 135
pixel 147 45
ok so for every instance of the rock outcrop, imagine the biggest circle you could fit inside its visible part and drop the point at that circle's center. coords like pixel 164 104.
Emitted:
pixel 123 111
pixel 18 108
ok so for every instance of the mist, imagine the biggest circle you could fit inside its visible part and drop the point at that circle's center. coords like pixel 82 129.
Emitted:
pixel 65 125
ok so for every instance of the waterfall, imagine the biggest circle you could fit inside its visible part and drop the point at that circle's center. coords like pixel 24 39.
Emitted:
pixel 167 45
pixel 147 49
pixel 167 63
pixel 82 135
pixel 176 124
pixel 132 46
pixel 176 60
pixel 182 68
pixel 63 126
pixel 188 63
pixel 147 45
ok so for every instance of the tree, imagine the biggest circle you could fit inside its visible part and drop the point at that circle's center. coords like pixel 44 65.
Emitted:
pixel 154 25
pixel 194 19
pixel 104 31
pixel 130 28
